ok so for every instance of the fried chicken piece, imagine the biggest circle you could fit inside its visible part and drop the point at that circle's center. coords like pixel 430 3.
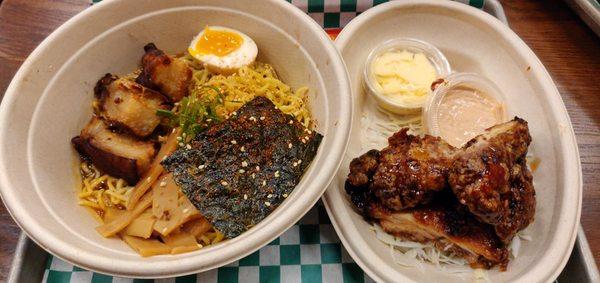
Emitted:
pixel 405 174
pixel 360 178
pixel 161 72
pixel 491 178
pixel 411 169
pixel 449 226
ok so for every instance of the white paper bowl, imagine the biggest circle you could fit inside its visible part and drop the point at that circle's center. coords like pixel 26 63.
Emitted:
pixel 48 102
pixel 473 41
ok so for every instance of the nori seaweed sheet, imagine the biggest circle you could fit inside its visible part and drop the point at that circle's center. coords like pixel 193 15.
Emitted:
pixel 240 170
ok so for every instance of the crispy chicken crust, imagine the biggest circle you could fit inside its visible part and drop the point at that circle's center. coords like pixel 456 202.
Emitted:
pixel 475 198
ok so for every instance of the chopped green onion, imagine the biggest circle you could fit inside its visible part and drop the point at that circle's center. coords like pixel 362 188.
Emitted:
pixel 193 112
pixel 165 113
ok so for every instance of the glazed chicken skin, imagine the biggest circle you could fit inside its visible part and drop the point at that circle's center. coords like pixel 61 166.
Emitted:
pixel 405 174
pixel 420 188
pixel 449 226
pixel 490 176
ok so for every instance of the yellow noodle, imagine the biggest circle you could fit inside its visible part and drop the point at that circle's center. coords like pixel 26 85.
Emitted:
pixel 101 191
pixel 258 79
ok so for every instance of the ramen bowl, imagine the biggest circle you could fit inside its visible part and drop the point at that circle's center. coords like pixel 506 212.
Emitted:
pixel 472 41
pixel 49 100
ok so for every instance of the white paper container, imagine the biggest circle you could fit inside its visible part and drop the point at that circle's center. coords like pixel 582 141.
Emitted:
pixel 473 41
pixel 48 102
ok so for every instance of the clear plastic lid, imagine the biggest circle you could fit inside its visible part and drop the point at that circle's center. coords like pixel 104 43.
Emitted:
pixel 456 84
pixel 434 55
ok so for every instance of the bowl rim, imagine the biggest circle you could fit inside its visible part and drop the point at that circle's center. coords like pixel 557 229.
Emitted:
pixel 561 247
pixel 173 265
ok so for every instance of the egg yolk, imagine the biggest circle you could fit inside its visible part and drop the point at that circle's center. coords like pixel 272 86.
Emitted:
pixel 217 42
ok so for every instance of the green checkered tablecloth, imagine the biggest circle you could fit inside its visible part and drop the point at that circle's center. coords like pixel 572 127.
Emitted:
pixel 309 251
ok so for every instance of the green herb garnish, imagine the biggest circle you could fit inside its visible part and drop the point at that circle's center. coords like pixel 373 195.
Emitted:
pixel 194 113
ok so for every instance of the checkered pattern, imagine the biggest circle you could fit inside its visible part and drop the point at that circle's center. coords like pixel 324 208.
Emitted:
pixel 338 13
pixel 309 251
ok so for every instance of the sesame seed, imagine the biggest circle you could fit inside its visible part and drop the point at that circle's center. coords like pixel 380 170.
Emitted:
pixel 276 174
pixel 285 195
pixel 183 135
pixel 186 210
pixel 264 183
pixel 201 166
pixel 181 144
pixel 244 163
pixel 257 168
pixel 148 179
pixel 267 203
pixel 242 149
pixel 291 122
pixel 253 175
pixel 242 171
pixel 164 157
pixel 188 146
pixel 262 118
pixel 234 113
pixel 269 195
pixel 233 142
pixel 309 132
pixel 295 164
pixel 252 119
pixel 245 196
pixel 173 131
pixel 224 183
pixel 208 120
pixel 289 145
pixel 163 183
pixel 299 161
pixel 179 138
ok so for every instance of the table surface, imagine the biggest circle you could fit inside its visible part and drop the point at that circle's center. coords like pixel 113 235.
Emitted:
pixel 567 47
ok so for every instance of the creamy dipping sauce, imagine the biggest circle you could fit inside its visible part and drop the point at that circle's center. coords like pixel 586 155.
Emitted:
pixel 464 113
pixel 403 77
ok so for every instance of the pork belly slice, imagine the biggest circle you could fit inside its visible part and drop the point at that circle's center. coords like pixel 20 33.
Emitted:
pixel 166 74
pixel 491 178
pixel 113 153
pixel 449 227
pixel 237 172
pixel 127 104
pixel 408 172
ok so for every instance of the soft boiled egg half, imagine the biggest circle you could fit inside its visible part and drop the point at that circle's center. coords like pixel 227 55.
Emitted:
pixel 223 50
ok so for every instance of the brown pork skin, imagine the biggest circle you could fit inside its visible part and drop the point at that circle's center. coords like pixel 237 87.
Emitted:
pixel 114 153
